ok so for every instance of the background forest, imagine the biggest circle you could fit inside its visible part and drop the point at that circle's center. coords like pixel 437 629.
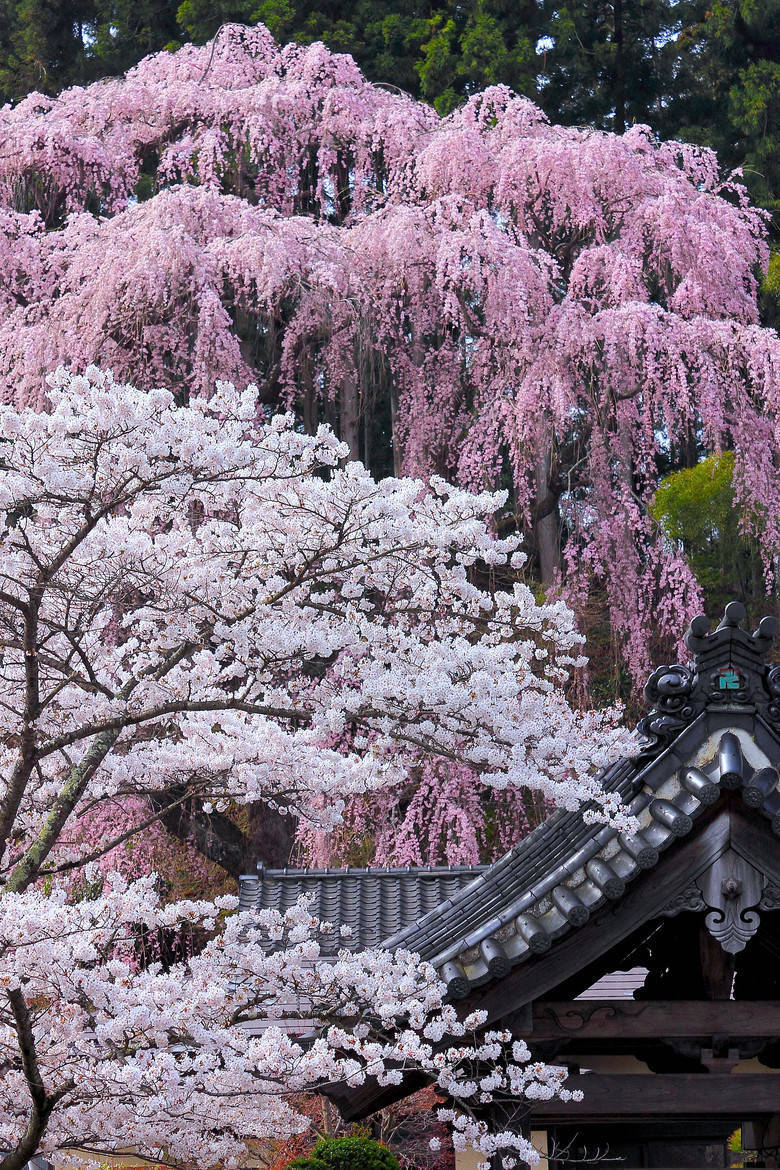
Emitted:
pixel 655 361
pixel 695 70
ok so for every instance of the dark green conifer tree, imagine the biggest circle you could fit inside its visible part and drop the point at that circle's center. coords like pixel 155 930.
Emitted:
pixel 609 63
pixel 127 30
pixel 43 45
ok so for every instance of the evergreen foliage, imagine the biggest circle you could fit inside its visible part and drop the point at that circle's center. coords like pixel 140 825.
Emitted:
pixel 609 64
pixel 730 99
pixel 697 511
pixel 347 1153
pixel 43 45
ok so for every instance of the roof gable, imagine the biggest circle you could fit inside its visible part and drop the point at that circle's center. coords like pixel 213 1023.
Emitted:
pixel 688 877
pixel 703 785
pixel 714 728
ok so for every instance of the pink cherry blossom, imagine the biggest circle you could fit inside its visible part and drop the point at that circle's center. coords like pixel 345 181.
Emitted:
pixel 543 305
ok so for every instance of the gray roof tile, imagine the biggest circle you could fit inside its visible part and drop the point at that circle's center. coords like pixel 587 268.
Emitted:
pixel 373 903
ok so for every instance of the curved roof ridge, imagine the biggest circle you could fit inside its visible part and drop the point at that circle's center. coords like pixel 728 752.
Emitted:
pixel 293 874
pixel 714 724
pixel 723 701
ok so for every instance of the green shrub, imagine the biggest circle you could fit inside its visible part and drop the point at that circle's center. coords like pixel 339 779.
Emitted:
pixel 347 1153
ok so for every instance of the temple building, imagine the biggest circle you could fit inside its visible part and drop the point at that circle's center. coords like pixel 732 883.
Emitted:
pixel 647 965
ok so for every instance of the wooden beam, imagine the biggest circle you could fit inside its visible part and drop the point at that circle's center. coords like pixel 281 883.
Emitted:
pixel 608 1097
pixel 615 1019
pixel 751 840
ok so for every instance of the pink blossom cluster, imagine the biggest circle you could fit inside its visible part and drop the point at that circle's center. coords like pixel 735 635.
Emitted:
pixel 443 814
pixel 558 304
pixel 271 123
pixel 153 850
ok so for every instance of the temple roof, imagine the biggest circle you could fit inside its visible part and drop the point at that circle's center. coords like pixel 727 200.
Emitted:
pixel 714 727
pixel 370 903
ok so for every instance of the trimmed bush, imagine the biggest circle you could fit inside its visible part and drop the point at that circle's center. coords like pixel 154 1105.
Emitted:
pixel 347 1153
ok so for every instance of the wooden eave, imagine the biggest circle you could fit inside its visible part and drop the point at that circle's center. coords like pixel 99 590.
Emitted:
pixel 726 826
pixel 476 939
pixel 703 785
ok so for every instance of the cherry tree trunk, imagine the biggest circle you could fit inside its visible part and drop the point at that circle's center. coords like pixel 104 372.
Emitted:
pixel 397 448
pixel 547 534
pixel 310 403
pixel 350 415
pixel 269 838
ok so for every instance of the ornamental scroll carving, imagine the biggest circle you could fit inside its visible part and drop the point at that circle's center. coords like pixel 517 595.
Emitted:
pixel 732 888
pixel 668 691
pixel 689 899
pixel 730 894
pixel 573 1019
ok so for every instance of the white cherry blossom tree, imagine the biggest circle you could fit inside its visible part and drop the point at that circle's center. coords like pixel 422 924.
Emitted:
pixel 197 605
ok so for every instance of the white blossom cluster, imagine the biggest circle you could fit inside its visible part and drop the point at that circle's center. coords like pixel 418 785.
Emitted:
pixel 197 604
pixel 201 597
pixel 165 1060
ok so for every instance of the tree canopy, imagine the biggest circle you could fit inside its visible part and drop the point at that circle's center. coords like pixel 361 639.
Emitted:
pixel 265 283
pixel 697 510
pixel 486 296
pixel 701 71
pixel 195 605
pixel 562 313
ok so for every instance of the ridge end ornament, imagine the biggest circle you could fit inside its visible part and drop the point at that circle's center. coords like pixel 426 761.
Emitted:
pixel 728 669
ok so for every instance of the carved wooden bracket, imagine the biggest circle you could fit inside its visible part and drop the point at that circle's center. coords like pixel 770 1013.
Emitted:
pixel 730 894
pixel 732 888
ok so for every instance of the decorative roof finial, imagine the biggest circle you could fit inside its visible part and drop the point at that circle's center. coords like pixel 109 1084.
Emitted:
pixel 730 644
pixel 729 669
